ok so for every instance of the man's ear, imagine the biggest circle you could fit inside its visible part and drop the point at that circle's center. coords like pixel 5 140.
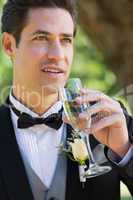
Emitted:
pixel 9 44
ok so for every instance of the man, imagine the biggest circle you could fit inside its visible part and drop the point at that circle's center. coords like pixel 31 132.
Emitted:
pixel 38 37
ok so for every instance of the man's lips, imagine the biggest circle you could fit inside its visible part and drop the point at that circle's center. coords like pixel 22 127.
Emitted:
pixel 52 70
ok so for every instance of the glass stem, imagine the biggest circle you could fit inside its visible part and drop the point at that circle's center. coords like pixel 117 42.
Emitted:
pixel 91 157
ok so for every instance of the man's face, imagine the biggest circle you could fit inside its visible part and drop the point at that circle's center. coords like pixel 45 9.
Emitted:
pixel 45 51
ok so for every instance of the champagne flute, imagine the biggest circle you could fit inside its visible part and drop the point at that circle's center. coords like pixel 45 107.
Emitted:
pixel 72 111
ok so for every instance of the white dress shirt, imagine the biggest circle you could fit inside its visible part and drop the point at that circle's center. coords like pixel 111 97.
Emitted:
pixel 39 143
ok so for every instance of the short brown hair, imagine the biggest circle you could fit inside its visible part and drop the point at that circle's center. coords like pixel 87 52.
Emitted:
pixel 15 13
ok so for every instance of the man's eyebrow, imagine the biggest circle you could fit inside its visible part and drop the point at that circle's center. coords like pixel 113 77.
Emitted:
pixel 48 33
pixel 40 32
pixel 67 35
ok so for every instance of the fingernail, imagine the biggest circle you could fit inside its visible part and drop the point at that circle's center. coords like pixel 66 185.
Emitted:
pixel 88 130
pixel 78 99
pixel 82 115
pixel 83 90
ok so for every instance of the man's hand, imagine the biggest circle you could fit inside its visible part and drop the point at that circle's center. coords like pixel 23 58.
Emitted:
pixel 108 121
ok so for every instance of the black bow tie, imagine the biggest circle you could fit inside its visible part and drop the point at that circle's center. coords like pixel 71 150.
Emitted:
pixel 25 120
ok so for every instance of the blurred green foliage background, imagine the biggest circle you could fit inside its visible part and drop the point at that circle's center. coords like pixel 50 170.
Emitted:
pixel 90 67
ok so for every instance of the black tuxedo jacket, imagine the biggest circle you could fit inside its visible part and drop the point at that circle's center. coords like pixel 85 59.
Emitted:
pixel 14 183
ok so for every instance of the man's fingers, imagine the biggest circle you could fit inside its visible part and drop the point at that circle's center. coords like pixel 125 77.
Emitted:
pixel 88 95
pixel 103 107
pixel 106 122
pixel 65 118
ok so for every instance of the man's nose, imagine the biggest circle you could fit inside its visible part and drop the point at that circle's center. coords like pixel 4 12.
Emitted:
pixel 55 51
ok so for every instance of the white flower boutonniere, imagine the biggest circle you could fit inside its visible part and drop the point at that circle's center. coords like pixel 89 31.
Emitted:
pixel 79 150
pixel 76 150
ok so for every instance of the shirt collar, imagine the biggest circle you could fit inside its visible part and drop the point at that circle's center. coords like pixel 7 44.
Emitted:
pixel 22 108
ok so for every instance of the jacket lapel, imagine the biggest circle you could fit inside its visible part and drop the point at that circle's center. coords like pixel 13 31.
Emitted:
pixel 11 164
pixel 75 189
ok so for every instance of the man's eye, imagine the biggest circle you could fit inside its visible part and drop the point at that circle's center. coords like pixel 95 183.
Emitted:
pixel 41 37
pixel 66 40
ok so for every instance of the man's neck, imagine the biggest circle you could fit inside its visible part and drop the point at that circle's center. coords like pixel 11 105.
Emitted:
pixel 36 102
